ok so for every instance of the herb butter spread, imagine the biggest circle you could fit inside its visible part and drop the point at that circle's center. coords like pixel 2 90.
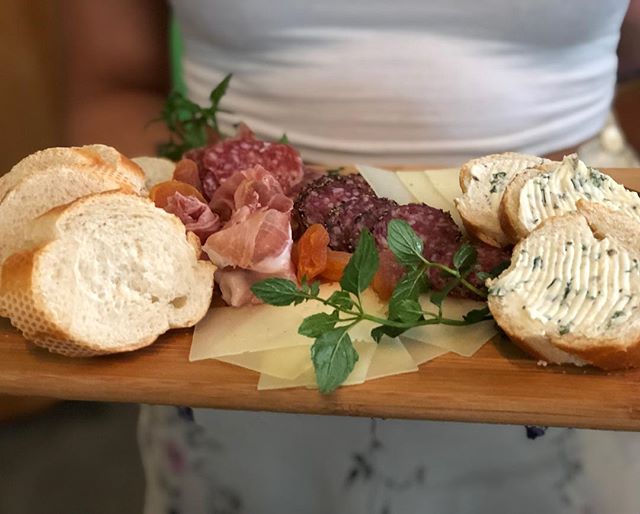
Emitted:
pixel 571 281
pixel 556 192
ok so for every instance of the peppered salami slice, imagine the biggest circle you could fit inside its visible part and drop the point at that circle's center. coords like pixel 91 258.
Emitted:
pixel 218 162
pixel 316 201
pixel 348 219
pixel 435 227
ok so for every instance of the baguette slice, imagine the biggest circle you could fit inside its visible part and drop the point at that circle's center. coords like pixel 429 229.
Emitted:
pixel 57 176
pixel 156 169
pixel 483 181
pixel 106 273
pixel 572 292
pixel 534 196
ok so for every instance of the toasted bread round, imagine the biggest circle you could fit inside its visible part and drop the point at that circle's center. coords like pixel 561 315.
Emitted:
pixel 572 293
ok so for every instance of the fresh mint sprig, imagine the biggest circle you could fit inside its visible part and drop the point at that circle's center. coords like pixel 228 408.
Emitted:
pixel 191 126
pixel 333 354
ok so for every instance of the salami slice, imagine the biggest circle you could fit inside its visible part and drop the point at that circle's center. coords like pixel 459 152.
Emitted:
pixel 218 162
pixel 316 201
pixel 348 219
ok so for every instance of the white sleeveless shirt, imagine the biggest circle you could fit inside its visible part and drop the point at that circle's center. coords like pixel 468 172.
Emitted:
pixel 408 81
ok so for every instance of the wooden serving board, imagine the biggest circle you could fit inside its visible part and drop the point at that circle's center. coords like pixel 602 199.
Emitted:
pixel 499 384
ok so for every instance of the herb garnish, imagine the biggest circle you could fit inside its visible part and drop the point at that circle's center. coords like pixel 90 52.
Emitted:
pixel 332 353
pixel 191 125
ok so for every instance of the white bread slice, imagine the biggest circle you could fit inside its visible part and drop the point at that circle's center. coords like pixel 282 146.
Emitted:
pixel 58 176
pixel 533 197
pixel 483 181
pixel 106 273
pixel 572 293
pixel 156 169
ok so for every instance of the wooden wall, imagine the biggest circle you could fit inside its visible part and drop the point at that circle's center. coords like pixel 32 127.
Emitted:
pixel 30 79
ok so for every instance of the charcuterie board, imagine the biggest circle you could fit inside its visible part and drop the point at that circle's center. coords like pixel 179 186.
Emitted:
pixel 498 384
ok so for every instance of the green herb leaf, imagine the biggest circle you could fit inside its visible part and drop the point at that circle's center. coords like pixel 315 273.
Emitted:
pixel 465 258
pixel 341 300
pixel 218 92
pixel 314 289
pixel 410 287
pixel 437 297
pixel 284 139
pixel 404 243
pixel 409 310
pixel 278 291
pixel 494 272
pixel 362 266
pixel 483 276
pixel 317 324
pixel 334 357
pixel 384 330
pixel 477 315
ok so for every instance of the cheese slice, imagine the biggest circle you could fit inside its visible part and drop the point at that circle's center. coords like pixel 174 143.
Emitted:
pixel 446 182
pixel 390 358
pixel 463 340
pixel 386 184
pixel 286 363
pixel 421 352
pixel 308 378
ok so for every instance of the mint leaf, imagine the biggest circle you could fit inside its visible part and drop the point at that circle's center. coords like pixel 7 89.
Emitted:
pixel 284 139
pixel 314 289
pixel 218 92
pixel 341 300
pixel 404 243
pixel 317 324
pixel 409 310
pixel 362 266
pixel 494 272
pixel 334 357
pixel 477 315
pixel 383 330
pixel 278 291
pixel 465 258
pixel 437 297
pixel 410 286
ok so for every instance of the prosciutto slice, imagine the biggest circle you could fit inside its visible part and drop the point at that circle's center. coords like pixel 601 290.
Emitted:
pixel 195 214
pixel 256 239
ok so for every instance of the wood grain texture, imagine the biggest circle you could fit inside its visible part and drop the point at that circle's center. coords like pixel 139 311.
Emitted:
pixel 500 384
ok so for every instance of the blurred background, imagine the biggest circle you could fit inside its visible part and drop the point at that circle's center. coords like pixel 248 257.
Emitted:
pixel 47 447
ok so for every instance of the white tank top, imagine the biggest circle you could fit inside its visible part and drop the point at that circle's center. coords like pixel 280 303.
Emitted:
pixel 407 81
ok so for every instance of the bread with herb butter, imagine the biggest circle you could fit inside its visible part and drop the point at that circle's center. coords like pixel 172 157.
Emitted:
pixel 572 292
pixel 106 273
pixel 532 197
pixel 483 181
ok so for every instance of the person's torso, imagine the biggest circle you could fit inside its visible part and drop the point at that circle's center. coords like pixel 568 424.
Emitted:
pixel 410 80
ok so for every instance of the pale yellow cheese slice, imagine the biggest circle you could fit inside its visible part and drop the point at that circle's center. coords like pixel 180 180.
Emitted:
pixel 446 183
pixel 308 378
pixel 386 184
pixel 463 340
pixel 390 358
pixel 286 363
pixel 422 352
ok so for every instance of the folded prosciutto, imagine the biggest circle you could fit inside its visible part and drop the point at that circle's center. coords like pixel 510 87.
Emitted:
pixel 195 214
pixel 256 239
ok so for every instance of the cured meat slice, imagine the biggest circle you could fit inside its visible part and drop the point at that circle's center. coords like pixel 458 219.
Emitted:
pixel 235 284
pixel 435 227
pixel 255 188
pixel 219 162
pixel 316 201
pixel 196 215
pixel 186 171
pixel 348 219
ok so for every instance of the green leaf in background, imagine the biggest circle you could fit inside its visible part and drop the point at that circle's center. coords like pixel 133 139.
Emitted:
pixel 334 357
pixel 317 324
pixel 362 266
pixel 465 258
pixel 284 139
pixel 404 243
pixel 277 291
pixel 477 315
pixel 341 300
pixel 218 92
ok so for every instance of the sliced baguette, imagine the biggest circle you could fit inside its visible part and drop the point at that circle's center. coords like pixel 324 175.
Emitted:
pixel 156 169
pixel 58 176
pixel 572 293
pixel 483 181
pixel 106 273
pixel 534 196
